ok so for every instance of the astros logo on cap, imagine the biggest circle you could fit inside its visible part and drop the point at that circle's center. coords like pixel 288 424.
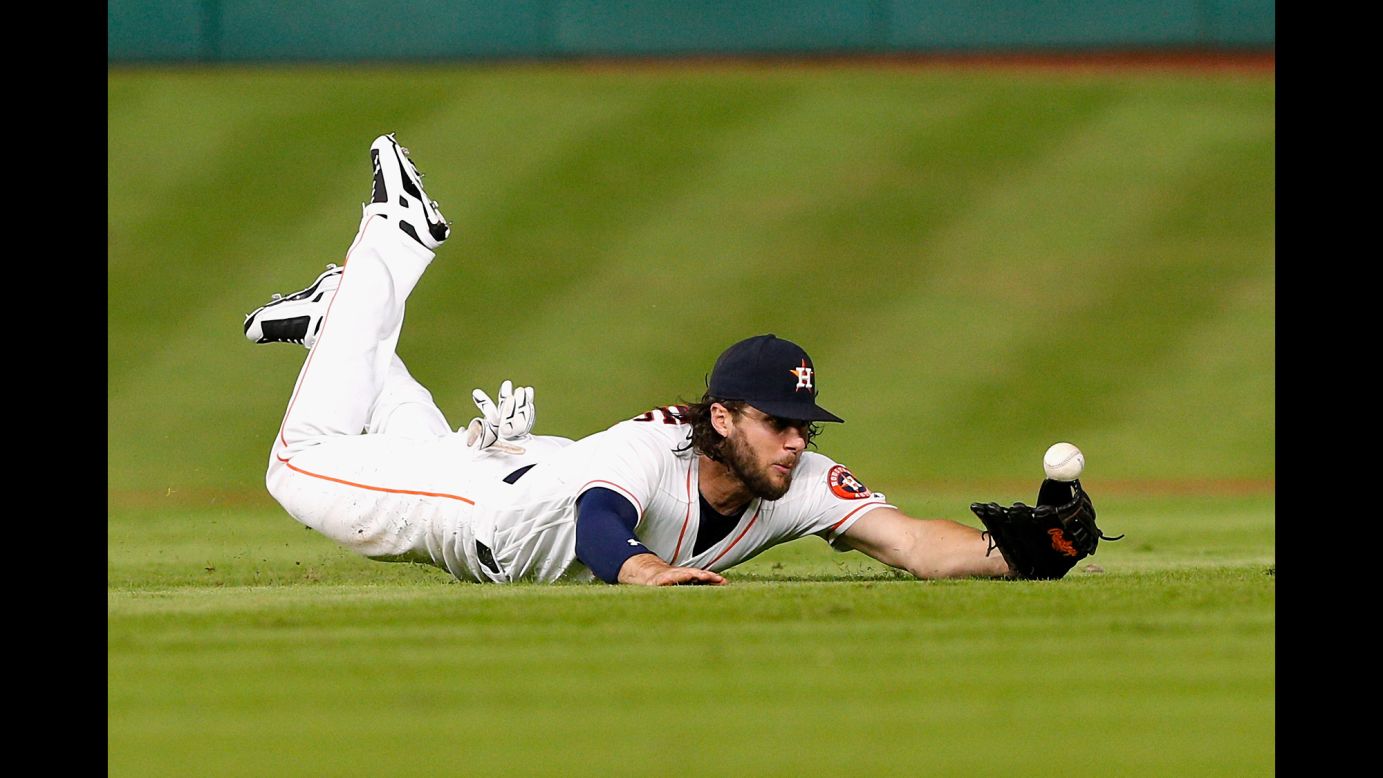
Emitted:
pixel 752 371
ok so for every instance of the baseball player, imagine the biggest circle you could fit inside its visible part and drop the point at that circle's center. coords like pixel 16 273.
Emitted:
pixel 675 495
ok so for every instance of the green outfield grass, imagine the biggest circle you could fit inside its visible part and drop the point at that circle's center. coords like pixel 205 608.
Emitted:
pixel 980 262
pixel 242 644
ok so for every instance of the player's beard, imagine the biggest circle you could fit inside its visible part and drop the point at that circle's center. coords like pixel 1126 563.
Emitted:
pixel 758 480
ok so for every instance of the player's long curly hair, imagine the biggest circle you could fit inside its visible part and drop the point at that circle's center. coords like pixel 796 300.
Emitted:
pixel 704 438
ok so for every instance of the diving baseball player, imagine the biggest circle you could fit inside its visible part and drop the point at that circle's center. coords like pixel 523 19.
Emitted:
pixel 675 495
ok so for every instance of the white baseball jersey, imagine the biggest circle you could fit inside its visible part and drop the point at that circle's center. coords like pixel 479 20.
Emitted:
pixel 530 526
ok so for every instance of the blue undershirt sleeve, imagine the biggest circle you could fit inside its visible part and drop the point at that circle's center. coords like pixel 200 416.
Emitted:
pixel 605 522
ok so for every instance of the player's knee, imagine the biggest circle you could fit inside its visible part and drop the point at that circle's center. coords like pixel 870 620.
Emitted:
pixel 358 521
pixel 274 481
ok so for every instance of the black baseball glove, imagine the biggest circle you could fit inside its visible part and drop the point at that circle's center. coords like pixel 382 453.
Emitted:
pixel 1045 541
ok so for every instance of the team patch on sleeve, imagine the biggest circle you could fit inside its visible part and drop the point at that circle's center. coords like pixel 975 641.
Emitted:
pixel 844 485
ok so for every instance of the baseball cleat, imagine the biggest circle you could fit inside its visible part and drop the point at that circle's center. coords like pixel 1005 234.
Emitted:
pixel 296 318
pixel 398 193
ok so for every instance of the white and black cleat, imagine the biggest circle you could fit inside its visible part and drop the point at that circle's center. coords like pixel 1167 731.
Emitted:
pixel 295 318
pixel 398 193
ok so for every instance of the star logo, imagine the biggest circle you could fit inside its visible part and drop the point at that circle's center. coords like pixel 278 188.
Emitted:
pixel 804 376
pixel 845 485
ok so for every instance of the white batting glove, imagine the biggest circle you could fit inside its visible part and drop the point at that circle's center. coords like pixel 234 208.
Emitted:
pixel 502 423
pixel 516 410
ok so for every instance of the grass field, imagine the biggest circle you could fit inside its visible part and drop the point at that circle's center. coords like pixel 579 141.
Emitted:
pixel 980 262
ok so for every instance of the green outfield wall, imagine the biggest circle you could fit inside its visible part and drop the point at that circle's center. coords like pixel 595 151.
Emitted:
pixel 356 30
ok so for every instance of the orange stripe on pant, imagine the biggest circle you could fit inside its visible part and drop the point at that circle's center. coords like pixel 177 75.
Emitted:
pixel 297 469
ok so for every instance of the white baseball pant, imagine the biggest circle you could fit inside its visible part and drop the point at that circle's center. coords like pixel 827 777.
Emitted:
pixel 401 492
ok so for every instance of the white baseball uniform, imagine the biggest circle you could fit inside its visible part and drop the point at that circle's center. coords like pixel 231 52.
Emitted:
pixel 410 489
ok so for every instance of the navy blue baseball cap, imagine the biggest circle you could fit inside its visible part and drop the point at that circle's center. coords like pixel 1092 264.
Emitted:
pixel 774 375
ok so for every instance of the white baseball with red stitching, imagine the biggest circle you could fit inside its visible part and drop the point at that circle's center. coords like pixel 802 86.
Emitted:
pixel 1063 462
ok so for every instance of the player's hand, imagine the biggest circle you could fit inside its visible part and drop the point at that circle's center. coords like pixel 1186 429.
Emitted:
pixel 499 424
pixel 687 576
pixel 649 570
pixel 516 411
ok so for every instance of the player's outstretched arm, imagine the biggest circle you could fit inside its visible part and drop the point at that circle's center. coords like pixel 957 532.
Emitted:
pixel 927 548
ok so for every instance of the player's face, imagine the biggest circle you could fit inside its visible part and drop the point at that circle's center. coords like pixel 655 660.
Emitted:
pixel 763 451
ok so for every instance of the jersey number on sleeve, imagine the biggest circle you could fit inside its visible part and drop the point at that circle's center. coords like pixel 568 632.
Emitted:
pixel 670 414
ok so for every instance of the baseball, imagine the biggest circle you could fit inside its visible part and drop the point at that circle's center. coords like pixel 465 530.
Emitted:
pixel 1063 462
